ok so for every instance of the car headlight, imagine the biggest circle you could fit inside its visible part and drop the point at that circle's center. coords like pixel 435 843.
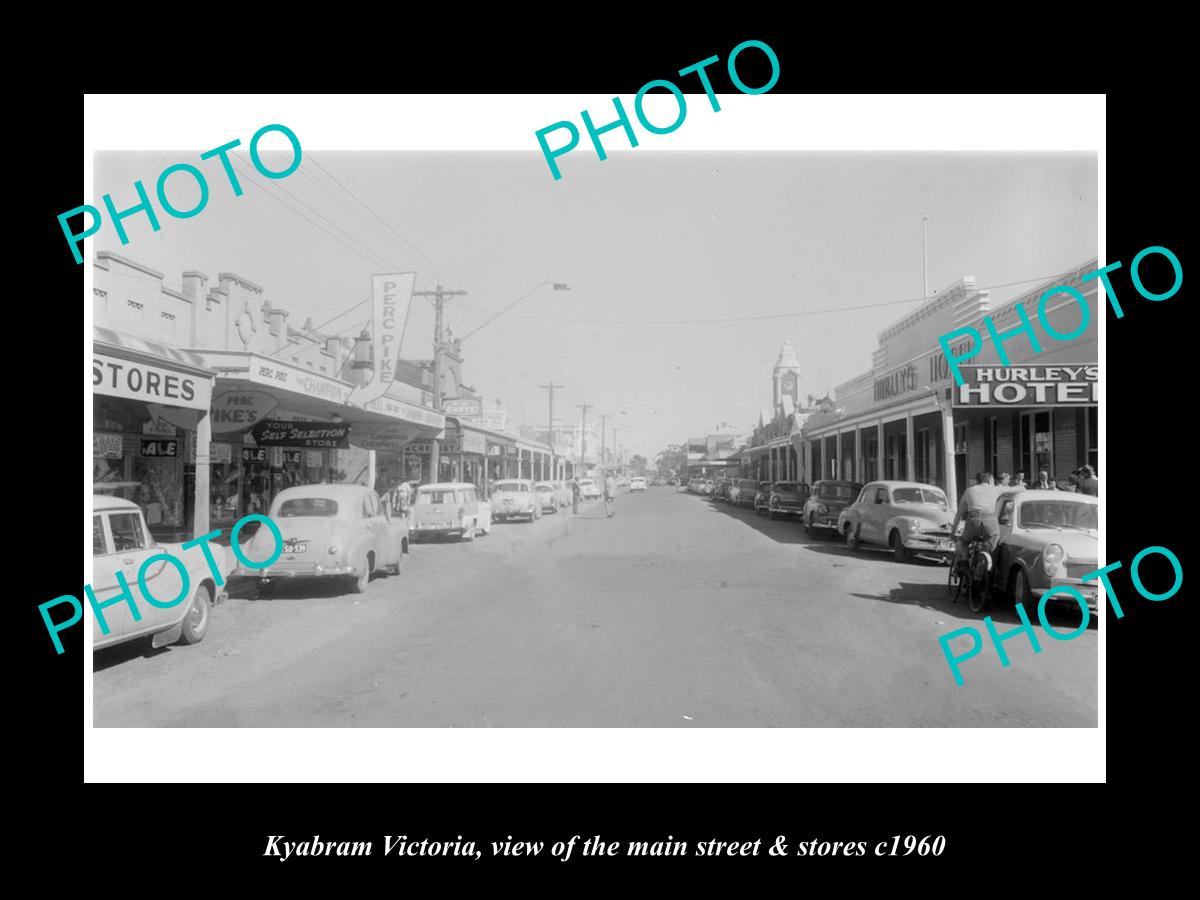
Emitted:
pixel 1052 558
pixel 822 509
pixel 913 524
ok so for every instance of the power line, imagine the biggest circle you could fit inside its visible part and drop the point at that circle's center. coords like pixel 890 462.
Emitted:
pixel 788 315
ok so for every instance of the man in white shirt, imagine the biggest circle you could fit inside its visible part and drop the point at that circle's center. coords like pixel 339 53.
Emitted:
pixel 977 509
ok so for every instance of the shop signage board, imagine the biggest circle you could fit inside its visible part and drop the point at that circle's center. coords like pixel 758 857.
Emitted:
pixel 265 371
pixel 463 407
pixel 383 437
pixel 116 377
pixel 419 447
pixel 998 386
pixel 391 295
pixel 106 446
pixel 473 442
pixel 238 410
pixel 495 419
pixel 310 435
pixel 254 454
pixel 157 447
pixel 410 412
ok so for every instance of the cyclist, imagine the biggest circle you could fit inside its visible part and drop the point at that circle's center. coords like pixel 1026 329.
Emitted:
pixel 977 509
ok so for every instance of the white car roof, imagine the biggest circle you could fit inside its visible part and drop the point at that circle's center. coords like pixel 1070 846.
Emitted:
pixel 326 491
pixel 445 486
pixel 104 502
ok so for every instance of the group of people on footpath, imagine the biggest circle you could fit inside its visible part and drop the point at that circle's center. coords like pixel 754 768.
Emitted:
pixel 977 508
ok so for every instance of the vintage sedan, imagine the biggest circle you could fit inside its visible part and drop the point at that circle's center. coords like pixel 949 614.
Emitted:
pixel 562 492
pixel 825 502
pixel 637 483
pixel 1048 539
pixel 547 495
pixel 588 489
pixel 742 491
pixel 449 508
pixel 121 542
pixel 761 497
pixel 329 531
pixel 786 499
pixel 907 516
pixel 516 498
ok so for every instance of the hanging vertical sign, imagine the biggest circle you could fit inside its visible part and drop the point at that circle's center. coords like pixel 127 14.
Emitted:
pixel 390 299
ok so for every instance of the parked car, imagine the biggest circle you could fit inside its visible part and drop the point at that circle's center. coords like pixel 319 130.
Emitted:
pixel 637 484
pixel 720 489
pixel 562 492
pixel 516 498
pixel 707 486
pixel 588 489
pixel 761 496
pixel 742 491
pixel 910 517
pixel 826 500
pixel 329 530
pixel 787 498
pixel 1048 539
pixel 547 495
pixel 121 542
pixel 451 507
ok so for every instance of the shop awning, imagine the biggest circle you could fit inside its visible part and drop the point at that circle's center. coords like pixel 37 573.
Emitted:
pixel 388 422
pixel 134 368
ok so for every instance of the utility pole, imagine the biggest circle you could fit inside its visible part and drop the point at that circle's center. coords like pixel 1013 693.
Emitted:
pixel 439 294
pixel 603 435
pixel 550 387
pixel 924 260
pixel 582 439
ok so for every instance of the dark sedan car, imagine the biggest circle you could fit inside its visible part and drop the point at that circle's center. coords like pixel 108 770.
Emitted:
pixel 720 489
pixel 826 501
pixel 786 499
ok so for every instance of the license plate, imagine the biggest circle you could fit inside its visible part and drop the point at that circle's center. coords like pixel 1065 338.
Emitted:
pixel 945 545
pixel 295 547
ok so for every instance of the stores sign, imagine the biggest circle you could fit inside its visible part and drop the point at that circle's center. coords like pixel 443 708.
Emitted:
pixel 115 377
pixel 1027 386
pixel 463 407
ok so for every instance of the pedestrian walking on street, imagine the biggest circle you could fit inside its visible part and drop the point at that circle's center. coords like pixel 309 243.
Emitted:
pixel 610 491
pixel 574 496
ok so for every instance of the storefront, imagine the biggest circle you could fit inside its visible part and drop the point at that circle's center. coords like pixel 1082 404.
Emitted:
pixel 907 420
pixel 147 401
pixel 276 425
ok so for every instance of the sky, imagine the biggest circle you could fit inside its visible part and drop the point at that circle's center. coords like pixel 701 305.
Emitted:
pixel 643 239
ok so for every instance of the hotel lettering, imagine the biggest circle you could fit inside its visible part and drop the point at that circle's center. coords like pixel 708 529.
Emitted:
pixel 1027 386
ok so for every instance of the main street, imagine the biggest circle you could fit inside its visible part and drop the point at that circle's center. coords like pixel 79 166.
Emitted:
pixel 676 612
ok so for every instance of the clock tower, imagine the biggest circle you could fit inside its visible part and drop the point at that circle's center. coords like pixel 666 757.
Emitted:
pixel 786 380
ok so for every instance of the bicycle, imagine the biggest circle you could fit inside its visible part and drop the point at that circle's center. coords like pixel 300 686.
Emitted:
pixel 972 575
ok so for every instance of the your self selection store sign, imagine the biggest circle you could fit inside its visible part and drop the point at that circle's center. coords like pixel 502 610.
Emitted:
pixel 1028 386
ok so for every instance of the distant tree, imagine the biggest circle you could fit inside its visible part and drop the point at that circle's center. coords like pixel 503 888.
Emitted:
pixel 671 460
pixel 638 464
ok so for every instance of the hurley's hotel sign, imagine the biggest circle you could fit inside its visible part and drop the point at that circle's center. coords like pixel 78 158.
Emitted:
pixel 1027 386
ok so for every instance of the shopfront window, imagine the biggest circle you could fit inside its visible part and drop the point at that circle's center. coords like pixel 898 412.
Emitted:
pixel 1037 446
pixel 158 470
pixel 256 483
pixel 1093 438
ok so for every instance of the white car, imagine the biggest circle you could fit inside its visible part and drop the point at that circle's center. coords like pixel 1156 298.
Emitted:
pixel 122 543
pixel 588 489
pixel 637 484
pixel 548 495
pixel 515 498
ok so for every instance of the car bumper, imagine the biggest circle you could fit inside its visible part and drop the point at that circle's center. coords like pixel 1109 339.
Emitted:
pixel 930 545
pixel 825 522
pixel 787 510
pixel 437 529
pixel 507 513
pixel 1087 589
pixel 295 570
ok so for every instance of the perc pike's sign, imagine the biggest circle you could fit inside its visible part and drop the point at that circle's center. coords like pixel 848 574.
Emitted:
pixel 1028 386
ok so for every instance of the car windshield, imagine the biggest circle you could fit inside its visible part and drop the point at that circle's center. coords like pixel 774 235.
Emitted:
pixel 835 492
pixel 428 498
pixel 545 488
pixel 513 487
pixel 929 496
pixel 307 506
pixel 1058 514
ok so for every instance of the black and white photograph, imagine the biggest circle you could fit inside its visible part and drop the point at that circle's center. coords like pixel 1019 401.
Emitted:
pixel 669 441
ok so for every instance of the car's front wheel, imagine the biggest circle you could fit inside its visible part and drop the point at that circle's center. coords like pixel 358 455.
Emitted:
pixel 195 623
pixel 852 539
pixel 1021 591
pixel 898 548
pixel 468 533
